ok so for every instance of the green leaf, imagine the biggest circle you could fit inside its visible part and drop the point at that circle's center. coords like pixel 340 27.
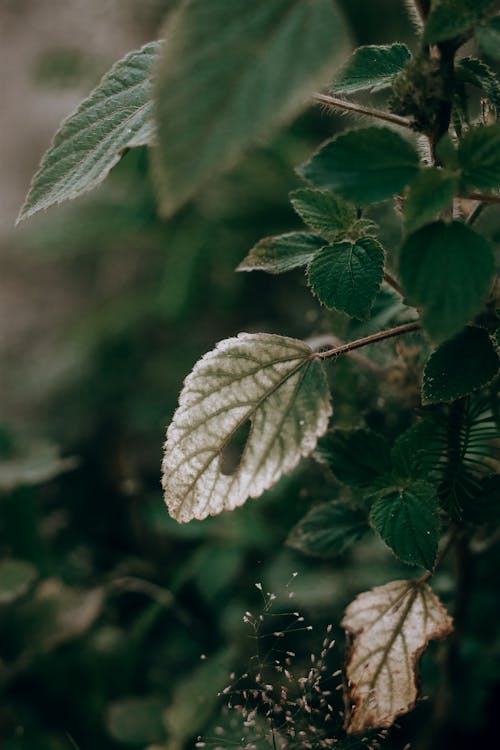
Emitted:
pixel 478 74
pixel 282 253
pixel 41 463
pixel 273 382
pixel 431 192
pixel 372 68
pixel 488 37
pixel 16 577
pixel 418 450
pixel 347 276
pixel 328 530
pixel 365 166
pixel 116 116
pixel 451 18
pixel 356 457
pixel 232 73
pixel 479 157
pixel 326 213
pixel 446 269
pixel 460 366
pixel 408 522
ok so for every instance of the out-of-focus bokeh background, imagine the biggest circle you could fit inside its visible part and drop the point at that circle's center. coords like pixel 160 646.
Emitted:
pixel 106 605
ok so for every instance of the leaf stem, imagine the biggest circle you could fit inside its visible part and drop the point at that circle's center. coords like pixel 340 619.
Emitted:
pixel 394 283
pixel 360 109
pixel 372 339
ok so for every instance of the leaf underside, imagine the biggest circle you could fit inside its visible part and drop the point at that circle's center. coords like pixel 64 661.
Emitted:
pixel 273 381
pixel 372 68
pixel 233 72
pixel 390 626
pixel 117 115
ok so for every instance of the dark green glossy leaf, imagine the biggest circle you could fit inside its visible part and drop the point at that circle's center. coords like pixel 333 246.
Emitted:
pixel 232 73
pixel 479 157
pixel 356 457
pixel 418 450
pixel 372 68
pixel 446 270
pixel 328 530
pixel 326 213
pixel 365 166
pixel 408 522
pixel 282 253
pixel 460 366
pixel 451 18
pixel 488 37
pixel 347 276
pixel 431 192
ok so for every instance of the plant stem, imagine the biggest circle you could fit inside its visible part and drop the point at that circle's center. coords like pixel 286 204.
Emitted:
pixel 360 109
pixel 394 283
pixel 483 198
pixel 372 339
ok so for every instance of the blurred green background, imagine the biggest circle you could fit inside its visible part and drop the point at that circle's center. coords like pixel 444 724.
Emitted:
pixel 106 604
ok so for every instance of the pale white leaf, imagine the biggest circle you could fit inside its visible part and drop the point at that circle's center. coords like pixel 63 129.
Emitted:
pixel 390 626
pixel 275 383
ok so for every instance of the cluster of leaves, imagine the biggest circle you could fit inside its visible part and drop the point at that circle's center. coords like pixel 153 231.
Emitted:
pixel 253 407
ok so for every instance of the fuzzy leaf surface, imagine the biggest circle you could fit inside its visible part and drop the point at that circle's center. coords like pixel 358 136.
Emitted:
pixel 408 522
pixel 488 37
pixel 431 191
pixel 272 381
pixel 347 276
pixel 460 366
pixel 232 73
pixel 446 270
pixel 389 626
pixel 282 253
pixel 479 158
pixel 356 457
pixel 365 165
pixel 451 18
pixel 328 530
pixel 324 212
pixel 372 68
pixel 117 115
pixel 476 72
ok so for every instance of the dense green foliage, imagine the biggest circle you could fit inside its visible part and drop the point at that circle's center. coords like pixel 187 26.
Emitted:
pixel 363 405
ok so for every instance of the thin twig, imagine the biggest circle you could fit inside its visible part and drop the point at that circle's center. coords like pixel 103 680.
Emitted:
pixel 360 109
pixel 329 340
pixel 372 339
pixel 394 283
pixel 483 197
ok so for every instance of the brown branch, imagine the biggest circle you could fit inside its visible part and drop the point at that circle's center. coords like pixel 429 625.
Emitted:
pixel 484 198
pixel 367 340
pixel 394 283
pixel 360 109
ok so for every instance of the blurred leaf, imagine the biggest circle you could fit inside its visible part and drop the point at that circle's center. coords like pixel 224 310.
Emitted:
pixel 348 275
pixel 365 166
pixel 372 68
pixel 16 577
pixel 407 520
pixel 195 698
pixel 136 721
pixel 430 193
pixel 451 18
pixel 324 212
pixel 460 366
pixel 282 253
pixel 278 52
pixel 116 116
pixel 41 464
pixel 390 626
pixel 479 157
pixel 454 252
pixel 356 457
pixel 328 530
pixel 271 381
pixel 476 72
pixel 488 37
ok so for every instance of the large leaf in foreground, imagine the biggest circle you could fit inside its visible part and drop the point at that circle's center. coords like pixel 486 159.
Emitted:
pixel 232 72
pixel 372 68
pixel 364 166
pixel 390 627
pixel 407 520
pixel 275 383
pixel 117 115
pixel 446 270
